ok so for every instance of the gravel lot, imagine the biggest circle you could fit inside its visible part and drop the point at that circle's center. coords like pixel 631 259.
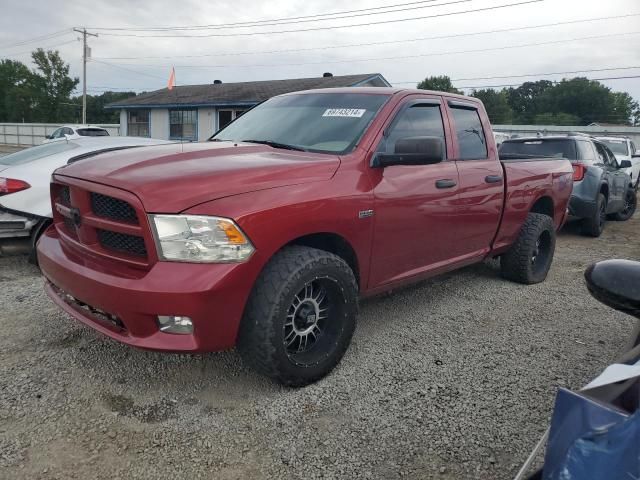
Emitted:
pixel 451 379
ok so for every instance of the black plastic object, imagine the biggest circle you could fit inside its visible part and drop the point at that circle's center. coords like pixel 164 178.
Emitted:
pixel 616 283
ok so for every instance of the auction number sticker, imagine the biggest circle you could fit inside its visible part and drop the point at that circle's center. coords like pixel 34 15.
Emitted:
pixel 344 112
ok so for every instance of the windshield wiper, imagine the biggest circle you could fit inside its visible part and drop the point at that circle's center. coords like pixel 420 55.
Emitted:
pixel 276 145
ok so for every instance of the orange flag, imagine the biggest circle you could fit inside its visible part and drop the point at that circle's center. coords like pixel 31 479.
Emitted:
pixel 172 79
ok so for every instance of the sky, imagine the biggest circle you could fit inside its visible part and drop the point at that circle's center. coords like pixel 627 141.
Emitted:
pixel 464 39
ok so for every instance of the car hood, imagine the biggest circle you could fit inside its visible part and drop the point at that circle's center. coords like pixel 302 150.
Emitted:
pixel 173 178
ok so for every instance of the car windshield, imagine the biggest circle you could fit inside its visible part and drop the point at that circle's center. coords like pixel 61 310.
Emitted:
pixel 317 122
pixel 560 148
pixel 618 147
pixel 35 153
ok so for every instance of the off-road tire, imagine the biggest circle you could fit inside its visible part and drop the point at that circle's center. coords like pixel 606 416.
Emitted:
pixel 260 339
pixel 630 208
pixel 594 226
pixel 521 263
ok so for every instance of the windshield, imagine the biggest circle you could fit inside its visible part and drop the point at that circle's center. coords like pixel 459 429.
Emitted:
pixel 540 148
pixel 322 122
pixel 618 147
pixel 34 153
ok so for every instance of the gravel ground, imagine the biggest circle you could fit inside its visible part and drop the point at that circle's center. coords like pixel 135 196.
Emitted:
pixel 450 379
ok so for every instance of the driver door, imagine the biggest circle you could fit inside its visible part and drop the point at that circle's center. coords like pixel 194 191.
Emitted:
pixel 415 205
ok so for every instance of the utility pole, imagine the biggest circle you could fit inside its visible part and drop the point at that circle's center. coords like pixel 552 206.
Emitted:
pixel 85 55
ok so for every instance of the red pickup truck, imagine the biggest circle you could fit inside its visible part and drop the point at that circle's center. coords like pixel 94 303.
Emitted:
pixel 264 237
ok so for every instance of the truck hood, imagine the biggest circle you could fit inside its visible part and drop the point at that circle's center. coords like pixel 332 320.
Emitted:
pixel 173 178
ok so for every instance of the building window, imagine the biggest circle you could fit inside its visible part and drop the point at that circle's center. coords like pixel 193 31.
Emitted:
pixel 226 116
pixel 138 123
pixel 183 124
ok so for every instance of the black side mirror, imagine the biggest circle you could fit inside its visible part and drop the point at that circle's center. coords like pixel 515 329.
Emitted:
pixel 412 151
pixel 625 163
pixel 616 283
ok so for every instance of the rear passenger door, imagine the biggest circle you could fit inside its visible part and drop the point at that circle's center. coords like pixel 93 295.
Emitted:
pixel 481 191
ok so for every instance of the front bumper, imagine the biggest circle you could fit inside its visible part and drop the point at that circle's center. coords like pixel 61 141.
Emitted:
pixel 123 302
pixel 14 225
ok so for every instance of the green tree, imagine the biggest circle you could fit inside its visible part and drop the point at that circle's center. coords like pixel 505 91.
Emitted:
pixel 16 92
pixel 52 87
pixel 588 100
pixel 526 100
pixel 497 105
pixel 626 110
pixel 440 83
pixel 96 103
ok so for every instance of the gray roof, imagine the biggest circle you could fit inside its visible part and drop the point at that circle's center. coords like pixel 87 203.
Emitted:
pixel 242 93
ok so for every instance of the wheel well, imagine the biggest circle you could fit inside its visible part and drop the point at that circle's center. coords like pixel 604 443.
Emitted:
pixel 543 205
pixel 333 243
pixel 604 189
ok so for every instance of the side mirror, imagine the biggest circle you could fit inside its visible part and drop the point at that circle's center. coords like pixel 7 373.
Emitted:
pixel 625 163
pixel 412 151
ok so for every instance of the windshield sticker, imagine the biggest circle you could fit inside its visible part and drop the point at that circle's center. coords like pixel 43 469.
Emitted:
pixel 344 112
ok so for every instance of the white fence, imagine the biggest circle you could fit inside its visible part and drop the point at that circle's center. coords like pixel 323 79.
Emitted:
pixel 28 134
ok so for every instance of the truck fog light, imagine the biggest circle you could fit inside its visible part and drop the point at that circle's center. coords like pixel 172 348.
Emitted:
pixel 175 324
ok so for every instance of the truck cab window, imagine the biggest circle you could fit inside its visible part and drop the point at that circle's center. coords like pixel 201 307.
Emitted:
pixel 470 134
pixel 420 120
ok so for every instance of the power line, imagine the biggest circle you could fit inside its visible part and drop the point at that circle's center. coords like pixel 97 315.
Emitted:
pixel 400 57
pixel 328 27
pixel 44 48
pixel 289 20
pixel 128 69
pixel 518 84
pixel 38 39
pixel 528 75
pixel 388 42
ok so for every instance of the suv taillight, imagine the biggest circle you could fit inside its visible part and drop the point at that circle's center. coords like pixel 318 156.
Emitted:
pixel 10 185
pixel 578 171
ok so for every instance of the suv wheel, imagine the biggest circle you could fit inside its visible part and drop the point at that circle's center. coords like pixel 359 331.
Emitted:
pixel 630 204
pixel 529 258
pixel 594 226
pixel 300 316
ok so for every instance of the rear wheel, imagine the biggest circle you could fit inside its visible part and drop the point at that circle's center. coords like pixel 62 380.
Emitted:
pixel 300 316
pixel 529 258
pixel 630 204
pixel 594 226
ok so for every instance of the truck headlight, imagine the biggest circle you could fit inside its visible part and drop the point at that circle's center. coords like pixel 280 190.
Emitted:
pixel 194 238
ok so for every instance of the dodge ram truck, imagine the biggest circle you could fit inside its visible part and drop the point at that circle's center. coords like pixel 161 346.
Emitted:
pixel 265 237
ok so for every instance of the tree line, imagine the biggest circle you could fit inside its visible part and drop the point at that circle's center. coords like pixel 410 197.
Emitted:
pixel 575 101
pixel 44 94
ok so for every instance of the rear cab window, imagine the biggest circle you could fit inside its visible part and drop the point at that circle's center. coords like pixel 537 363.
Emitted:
pixel 472 143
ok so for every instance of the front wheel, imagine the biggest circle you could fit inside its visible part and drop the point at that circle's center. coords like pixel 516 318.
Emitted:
pixel 529 258
pixel 630 204
pixel 300 316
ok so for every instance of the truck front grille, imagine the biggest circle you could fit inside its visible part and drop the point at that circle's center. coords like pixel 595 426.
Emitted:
pixel 122 242
pixel 112 208
pixel 102 223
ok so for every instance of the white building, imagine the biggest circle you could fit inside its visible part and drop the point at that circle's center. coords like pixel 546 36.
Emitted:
pixel 195 112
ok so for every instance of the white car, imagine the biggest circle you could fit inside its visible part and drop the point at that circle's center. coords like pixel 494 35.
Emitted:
pixel 25 205
pixel 624 149
pixel 70 132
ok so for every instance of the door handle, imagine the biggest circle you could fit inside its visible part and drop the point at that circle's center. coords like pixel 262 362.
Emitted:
pixel 445 183
pixel 493 178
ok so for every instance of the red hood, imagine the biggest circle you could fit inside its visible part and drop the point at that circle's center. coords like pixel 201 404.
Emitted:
pixel 172 178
